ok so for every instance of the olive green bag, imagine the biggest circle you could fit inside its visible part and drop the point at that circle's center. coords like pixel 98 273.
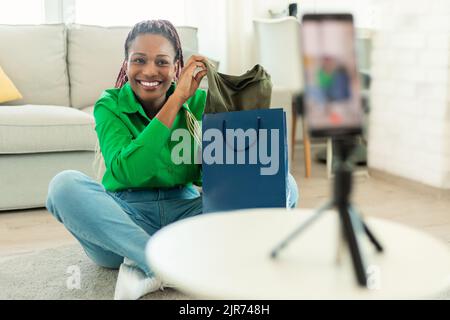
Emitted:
pixel 249 91
pixel 252 90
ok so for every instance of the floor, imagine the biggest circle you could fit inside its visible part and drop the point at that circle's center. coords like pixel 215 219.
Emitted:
pixel 427 209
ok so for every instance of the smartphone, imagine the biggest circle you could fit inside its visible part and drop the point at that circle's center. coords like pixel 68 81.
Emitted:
pixel 332 102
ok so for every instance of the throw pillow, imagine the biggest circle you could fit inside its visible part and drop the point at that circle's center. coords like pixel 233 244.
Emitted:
pixel 8 92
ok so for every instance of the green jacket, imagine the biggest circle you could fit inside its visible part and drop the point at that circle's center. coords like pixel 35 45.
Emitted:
pixel 137 150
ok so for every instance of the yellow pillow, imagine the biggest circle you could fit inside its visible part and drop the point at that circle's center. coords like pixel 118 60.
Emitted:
pixel 8 92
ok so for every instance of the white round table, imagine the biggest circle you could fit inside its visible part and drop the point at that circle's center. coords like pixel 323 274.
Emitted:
pixel 227 256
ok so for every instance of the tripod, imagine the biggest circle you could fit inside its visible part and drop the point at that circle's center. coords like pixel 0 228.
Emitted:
pixel 351 222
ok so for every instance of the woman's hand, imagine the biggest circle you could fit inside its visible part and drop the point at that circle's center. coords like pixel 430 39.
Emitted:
pixel 190 80
pixel 187 84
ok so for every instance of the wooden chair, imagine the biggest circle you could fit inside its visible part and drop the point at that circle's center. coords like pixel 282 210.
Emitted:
pixel 306 141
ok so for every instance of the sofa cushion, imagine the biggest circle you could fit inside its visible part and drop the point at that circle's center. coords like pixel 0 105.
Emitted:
pixel 94 59
pixel 43 128
pixel 95 55
pixel 34 58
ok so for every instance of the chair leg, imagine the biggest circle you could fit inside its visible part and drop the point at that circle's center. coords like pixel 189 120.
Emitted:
pixel 329 158
pixel 307 149
pixel 294 130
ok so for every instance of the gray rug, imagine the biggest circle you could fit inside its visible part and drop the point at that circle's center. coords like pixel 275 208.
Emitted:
pixel 54 274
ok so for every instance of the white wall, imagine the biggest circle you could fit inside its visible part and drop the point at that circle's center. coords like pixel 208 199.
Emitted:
pixel 409 130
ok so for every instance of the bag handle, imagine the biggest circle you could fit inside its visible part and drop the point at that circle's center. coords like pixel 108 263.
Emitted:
pixel 258 127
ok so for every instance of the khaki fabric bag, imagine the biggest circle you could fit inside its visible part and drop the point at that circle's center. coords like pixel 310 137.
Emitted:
pixel 252 90
pixel 249 91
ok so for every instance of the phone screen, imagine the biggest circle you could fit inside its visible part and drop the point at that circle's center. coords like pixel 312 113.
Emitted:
pixel 331 98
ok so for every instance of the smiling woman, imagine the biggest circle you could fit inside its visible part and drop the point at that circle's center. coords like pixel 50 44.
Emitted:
pixel 141 190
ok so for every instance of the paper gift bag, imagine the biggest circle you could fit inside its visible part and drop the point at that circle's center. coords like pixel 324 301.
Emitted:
pixel 244 160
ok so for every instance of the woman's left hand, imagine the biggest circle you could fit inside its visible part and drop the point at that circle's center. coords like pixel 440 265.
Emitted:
pixel 190 80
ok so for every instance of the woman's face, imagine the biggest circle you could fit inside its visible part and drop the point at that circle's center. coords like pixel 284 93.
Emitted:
pixel 151 68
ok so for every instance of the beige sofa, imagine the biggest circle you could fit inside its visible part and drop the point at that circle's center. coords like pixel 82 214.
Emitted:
pixel 60 71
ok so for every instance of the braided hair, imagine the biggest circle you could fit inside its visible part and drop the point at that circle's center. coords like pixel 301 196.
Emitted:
pixel 161 27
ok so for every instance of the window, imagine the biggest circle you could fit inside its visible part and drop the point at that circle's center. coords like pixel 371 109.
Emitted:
pixel 22 11
pixel 115 13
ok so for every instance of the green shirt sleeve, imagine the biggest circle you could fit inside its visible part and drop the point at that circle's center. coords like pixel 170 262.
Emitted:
pixel 132 161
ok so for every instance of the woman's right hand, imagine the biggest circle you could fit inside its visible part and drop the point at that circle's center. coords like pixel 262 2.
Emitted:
pixel 189 80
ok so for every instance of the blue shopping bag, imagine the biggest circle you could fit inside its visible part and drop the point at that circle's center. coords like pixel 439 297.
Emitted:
pixel 244 160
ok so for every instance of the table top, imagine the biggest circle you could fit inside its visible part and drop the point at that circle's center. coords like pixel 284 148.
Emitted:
pixel 227 256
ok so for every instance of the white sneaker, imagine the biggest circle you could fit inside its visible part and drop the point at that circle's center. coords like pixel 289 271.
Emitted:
pixel 132 283
pixel 168 285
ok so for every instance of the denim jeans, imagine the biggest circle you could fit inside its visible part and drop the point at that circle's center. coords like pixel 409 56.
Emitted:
pixel 114 225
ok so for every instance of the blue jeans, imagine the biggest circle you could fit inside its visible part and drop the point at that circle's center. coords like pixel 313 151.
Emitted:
pixel 114 225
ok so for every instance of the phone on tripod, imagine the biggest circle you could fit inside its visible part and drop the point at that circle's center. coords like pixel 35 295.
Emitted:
pixel 332 100
pixel 332 107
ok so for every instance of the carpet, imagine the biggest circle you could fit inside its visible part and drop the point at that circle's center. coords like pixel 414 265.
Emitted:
pixel 62 273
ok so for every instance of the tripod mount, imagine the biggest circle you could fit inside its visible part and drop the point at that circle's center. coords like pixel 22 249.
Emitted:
pixel 351 222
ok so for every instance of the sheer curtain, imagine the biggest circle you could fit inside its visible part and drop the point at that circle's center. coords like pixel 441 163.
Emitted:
pixel 22 11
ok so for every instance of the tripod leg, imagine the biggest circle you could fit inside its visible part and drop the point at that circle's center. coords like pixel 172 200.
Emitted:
pixel 357 227
pixel 274 253
pixel 369 234
pixel 350 227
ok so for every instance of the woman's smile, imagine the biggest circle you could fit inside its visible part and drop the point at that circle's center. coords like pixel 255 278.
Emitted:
pixel 149 85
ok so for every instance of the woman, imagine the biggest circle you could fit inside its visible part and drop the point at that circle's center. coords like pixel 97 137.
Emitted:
pixel 142 189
